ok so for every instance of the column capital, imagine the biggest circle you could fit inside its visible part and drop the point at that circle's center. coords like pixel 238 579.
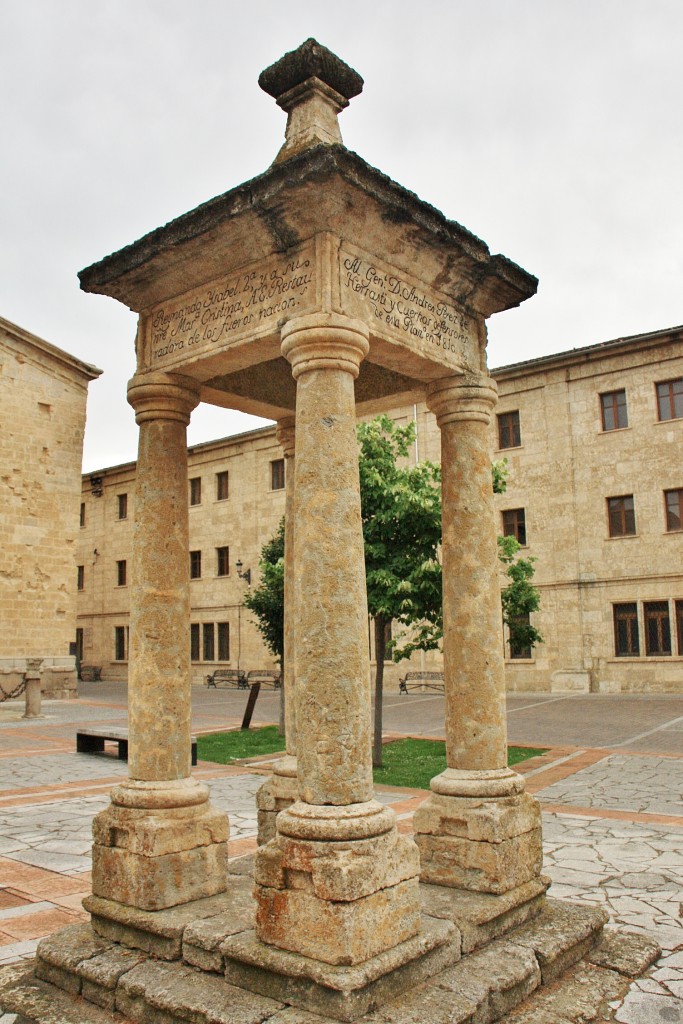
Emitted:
pixel 163 396
pixel 470 396
pixel 285 434
pixel 325 341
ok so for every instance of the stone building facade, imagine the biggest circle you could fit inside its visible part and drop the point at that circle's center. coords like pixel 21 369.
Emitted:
pixel 593 440
pixel 43 393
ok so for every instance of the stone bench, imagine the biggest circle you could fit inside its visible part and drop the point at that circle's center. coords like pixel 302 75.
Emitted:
pixel 228 677
pixel 90 673
pixel 266 677
pixel 91 741
pixel 421 681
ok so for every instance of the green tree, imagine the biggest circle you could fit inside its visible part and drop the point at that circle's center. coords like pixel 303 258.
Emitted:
pixel 267 602
pixel 401 513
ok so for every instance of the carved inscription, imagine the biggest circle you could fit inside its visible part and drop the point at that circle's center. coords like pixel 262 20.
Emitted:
pixel 240 304
pixel 404 308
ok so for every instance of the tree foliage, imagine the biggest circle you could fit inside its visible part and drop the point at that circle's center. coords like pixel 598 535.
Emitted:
pixel 267 600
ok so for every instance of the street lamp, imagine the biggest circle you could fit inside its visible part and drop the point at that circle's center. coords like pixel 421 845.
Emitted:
pixel 246 576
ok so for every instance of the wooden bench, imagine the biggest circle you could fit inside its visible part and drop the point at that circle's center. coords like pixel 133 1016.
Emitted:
pixel 228 677
pixel 266 677
pixel 421 681
pixel 91 741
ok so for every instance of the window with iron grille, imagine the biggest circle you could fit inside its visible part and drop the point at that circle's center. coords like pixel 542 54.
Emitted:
pixel 81 577
pixel 122 506
pixel 120 643
pixel 208 641
pixel 195 565
pixel 509 434
pixel 621 516
pixel 194 641
pixel 222 485
pixel 657 628
pixel 121 572
pixel 223 641
pixel 277 474
pixel 222 561
pixel 673 501
pixel 196 490
pixel 82 513
pixel 514 524
pixel 613 408
pixel 626 642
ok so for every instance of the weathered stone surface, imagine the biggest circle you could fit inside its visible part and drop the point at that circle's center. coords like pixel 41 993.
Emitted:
pixel 581 994
pixel 100 975
pixel 39 1003
pixel 481 866
pixel 162 993
pixel 275 795
pixel 480 916
pixel 560 935
pixel 158 932
pixel 202 939
pixel 495 979
pixel 157 835
pixel 476 819
pixel 628 953
pixel 58 955
pixel 338 933
pixel 427 1003
pixel 343 993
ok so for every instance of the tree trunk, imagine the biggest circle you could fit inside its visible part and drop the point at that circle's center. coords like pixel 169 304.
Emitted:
pixel 380 650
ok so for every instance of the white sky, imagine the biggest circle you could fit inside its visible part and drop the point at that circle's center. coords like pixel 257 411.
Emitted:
pixel 552 129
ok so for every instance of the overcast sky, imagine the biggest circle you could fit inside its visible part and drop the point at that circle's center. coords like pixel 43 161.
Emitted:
pixel 552 129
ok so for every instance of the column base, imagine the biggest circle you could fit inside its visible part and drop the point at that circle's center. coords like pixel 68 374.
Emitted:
pixel 337 884
pixel 484 843
pixel 159 845
pixel 276 794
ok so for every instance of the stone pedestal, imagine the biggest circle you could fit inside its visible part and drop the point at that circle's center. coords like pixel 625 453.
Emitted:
pixel 280 790
pixel 338 883
pixel 478 830
pixel 160 843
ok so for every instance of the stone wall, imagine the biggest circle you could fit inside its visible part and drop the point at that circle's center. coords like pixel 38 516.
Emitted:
pixel 560 475
pixel 43 396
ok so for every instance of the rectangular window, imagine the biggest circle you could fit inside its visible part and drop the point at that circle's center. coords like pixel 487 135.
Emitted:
pixel 207 641
pixel 194 641
pixel 622 516
pixel 81 577
pixel 196 490
pixel 673 501
pixel 626 642
pixel 222 485
pixel 223 641
pixel 514 524
pixel 119 643
pixel 614 412
pixel 122 506
pixel 657 628
pixel 670 399
pixel 82 513
pixel 222 561
pixel 520 649
pixel 121 573
pixel 509 434
pixel 195 565
pixel 679 626
pixel 277 475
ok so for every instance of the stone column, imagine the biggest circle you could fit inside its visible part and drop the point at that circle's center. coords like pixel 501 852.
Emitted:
pixel 160 843
pixel 338 884
pixel 478 829
pixel 280 790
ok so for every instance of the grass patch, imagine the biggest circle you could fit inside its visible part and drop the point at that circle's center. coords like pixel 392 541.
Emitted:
pixel 224 747
pixel 408 762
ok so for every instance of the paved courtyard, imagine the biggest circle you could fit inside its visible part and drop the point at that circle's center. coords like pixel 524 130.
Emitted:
pixel 612 809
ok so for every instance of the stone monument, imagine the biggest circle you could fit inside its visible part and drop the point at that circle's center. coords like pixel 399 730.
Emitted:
pixel 318 290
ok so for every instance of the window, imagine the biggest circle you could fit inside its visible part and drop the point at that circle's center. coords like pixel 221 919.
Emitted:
pixel 674 509
pixel 614 412
pixel 223 641
pixel 120 643
pixel 81 577
pixel 509 435
pixel 196 490
pixel 207 644
pixel 195 565
pixel 222 561
pixel 514 524
pixel 121 573
pixel 670 399
pixel 626 642
pixel 657 628
pixel 277 475
pixel 194 641
pixel 520 649
pixel 622 516
pixel 122 506
pixel 82 513
pixel 222 486
pixel 679 626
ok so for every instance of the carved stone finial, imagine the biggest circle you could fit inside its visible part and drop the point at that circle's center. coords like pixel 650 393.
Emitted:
pixel 313 85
